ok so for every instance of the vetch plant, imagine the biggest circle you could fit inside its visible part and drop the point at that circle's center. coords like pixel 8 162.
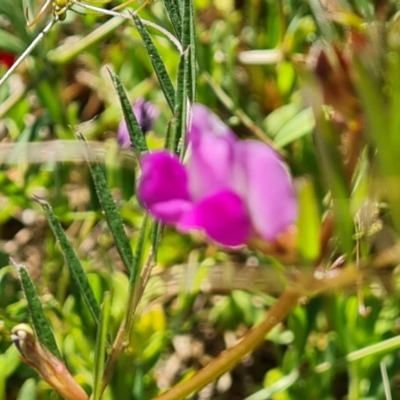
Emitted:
pixel 231 190
pixel 235 192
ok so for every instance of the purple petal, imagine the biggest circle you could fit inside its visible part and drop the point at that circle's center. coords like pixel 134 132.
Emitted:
pixel 163 188
pixel 267 189
pixel 222 216
pixel 212 151
pixel 145 112
pixel 171 211
pixel 123 135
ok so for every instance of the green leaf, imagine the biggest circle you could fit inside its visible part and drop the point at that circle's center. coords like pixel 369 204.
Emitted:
pixel 189 45
pixel 277 119
pixel 9 361
pixel 39 320
pixel 186 20
pixel 286 76
pixel 192 55
pixel 111 212
pixel 28 390
pixel 45 91
pixel 14 12
pixel 135 131
pixel 300 125
pixel 308 222
pixel 78 275
pixel 11 43
pixel 174 14
pixel 158 65
pixel 181 105
pixel 378 349
pixel 277 387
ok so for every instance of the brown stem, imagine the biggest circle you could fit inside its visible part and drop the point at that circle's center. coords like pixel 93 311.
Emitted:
pixel 229 358
pixel 50 368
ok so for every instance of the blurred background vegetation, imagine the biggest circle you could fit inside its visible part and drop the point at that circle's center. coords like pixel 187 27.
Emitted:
pixel 259 68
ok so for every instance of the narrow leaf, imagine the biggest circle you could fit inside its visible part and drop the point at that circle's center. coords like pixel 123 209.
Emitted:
pixel 78 274
pixel 9 42
pixel 174 15
pixel 192 55
pixel 28 390
pixel 135 131
pixel 300 125
pixel 181 105
pixel 158 65
pixel 308 221
pixel 185 35
pixel 39 319
pixel 111 212
pixel 188 45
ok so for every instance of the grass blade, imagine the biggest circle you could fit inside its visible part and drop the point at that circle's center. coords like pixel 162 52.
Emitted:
pixel 181 105
pixel 9 42
pixel 39 319
pixel 185 34
pixel 78 274
pixel 174 15
pixel 192 55
pixel 189 45
pixel 111 212
pixel 136 135
pixel 158 65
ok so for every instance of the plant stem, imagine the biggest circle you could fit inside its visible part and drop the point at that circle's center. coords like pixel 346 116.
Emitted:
pixel 49 367
pixel 134 296
pixel 229 358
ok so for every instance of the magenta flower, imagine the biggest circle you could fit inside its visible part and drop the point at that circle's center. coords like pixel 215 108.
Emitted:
pixel 229 189
pixel 145 112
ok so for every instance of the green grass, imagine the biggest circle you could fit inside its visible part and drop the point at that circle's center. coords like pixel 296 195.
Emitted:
pixel 134 307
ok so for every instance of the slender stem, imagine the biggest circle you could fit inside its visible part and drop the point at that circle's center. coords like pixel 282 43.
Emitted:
pixel 229 358
pixel 135 294
pixel 117 348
